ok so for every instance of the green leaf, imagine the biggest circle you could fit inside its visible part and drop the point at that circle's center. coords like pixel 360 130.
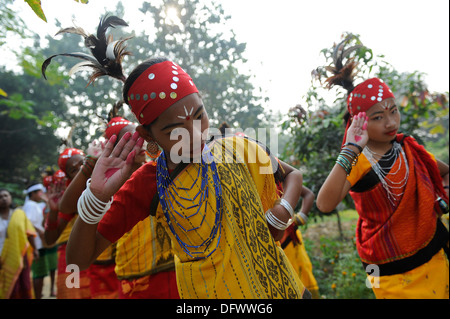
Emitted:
pixel 438 129
pixel 3 93
pixel 36 7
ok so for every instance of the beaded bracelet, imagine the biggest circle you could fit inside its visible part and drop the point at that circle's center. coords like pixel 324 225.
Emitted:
pixel 355 145
pixel 343 162
pixel 90 208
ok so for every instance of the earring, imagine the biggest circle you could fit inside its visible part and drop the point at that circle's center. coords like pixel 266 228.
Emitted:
pixel 153 150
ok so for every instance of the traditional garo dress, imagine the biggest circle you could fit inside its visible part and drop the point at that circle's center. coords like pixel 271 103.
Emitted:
pixel 399 230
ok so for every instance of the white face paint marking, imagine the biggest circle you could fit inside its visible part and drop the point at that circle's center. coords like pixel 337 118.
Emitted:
pixel 188 114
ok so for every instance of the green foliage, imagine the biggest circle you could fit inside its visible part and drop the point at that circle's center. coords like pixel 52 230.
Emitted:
pixel 212 57
pixel 339 271
pixel 35 5
pixel 34 108
pixel 336 264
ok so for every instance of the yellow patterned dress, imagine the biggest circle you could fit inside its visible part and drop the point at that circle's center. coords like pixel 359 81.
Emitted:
pixel 219 253
pixel 242 260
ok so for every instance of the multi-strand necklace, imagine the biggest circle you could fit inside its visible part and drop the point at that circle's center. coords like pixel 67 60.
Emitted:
pixel 385 172
pixel 169 194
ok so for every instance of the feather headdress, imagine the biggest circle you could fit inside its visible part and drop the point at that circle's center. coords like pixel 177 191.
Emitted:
pixel 343 68
pixel 107 55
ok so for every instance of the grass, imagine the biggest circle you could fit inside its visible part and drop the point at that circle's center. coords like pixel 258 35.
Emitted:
pixel 336 264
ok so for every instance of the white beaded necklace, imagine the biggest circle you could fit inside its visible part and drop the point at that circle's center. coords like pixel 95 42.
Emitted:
pixel 383 173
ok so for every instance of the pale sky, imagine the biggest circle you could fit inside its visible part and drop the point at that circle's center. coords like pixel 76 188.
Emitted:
pixel 284 37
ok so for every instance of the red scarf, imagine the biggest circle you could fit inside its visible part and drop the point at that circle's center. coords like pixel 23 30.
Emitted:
pixel 386 233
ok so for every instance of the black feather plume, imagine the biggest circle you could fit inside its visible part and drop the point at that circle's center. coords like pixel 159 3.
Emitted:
pixel 107 55
pixel 343 68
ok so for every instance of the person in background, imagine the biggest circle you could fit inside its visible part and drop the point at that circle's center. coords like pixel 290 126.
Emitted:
pixel 144 257
pixel 51 253
pixel 17 250
pixel 34 209
pixel 59 226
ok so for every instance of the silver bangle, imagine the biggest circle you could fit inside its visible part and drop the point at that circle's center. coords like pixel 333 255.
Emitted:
pixel 90 209
pixel 276 223
pixel 286 205
pixel 304 217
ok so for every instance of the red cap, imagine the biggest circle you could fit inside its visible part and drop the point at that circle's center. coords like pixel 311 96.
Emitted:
pixel 115 126
pixel 367 94
pixel 157 88
pixel 64 156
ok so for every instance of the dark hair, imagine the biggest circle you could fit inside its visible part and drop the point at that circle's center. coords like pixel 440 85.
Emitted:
pixel 137 72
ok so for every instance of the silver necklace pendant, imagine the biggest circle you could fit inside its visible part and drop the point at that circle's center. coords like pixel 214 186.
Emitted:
pixel 396 154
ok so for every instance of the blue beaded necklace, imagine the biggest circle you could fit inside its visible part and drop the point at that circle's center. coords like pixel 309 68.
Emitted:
pixel 167 199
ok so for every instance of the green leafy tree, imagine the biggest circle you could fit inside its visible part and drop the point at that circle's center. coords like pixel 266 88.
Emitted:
pixel 192 33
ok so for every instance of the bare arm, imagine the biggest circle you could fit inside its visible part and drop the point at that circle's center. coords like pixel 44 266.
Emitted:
pixel 54 226
pixel 308 198
pixel 336 186
pixel 113 168
pixel 68 202
pixel 292 189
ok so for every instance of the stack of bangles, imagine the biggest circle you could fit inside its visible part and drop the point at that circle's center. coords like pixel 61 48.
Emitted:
pixel 348 157
pixel 274 221
pixel 300 218
pixel 90 208
pixel 88 165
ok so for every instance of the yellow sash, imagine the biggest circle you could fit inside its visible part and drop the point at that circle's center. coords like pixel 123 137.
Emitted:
pixel 242 260
pixel 145 250
pixel 16 246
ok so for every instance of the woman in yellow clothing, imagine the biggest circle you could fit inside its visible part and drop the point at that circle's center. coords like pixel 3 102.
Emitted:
pixel 16 250
pixel 397 187
pixel 220 209
pixel 294 246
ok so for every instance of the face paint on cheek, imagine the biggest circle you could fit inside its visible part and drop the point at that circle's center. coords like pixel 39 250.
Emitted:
pixel 188 114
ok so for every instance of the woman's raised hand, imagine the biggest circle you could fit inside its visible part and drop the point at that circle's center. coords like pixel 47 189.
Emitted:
pixel 357 132
pixel 113 167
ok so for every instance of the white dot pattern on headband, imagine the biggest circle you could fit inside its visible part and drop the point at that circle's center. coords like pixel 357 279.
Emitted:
pixel 153 95
pixel 120 123
pixel 145 97
pixel 175 72
pixel 173 95
pixel 175 79
pixel 370 86
pixel 151 76
pixel 174 86
pixel 373 98
pixel 162 95
pixel 191 83
pixel 379 99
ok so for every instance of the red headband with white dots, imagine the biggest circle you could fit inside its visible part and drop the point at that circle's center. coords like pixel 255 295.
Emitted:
pixel 115 126
pixel 157 88
pixel 367 94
